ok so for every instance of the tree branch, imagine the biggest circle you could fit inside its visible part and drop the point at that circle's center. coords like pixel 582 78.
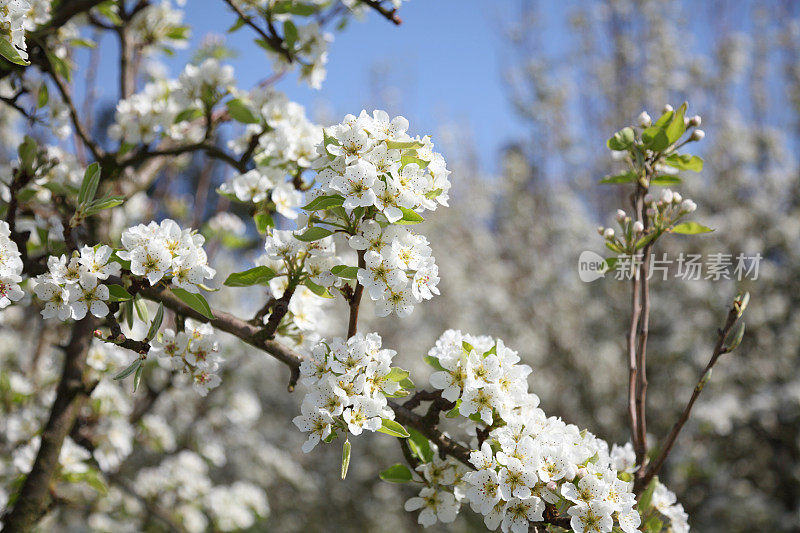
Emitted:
pixel 719 349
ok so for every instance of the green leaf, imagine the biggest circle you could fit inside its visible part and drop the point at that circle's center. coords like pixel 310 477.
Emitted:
pixel 241 112
pixel 195 301
pixel 655 138
pixel 396 474
pixel 685 162
pixel 677 126
pixel 43 97
pixel 236 25
pixel 409 217
pixel 91 179
pixel 127 311
pixel 734 338
pixel 622 140
pixel 664 119
pixel 289 34
pixel 408 159
pixel 141 308
pixel 324 202
pixel 137 377
pixel 397 374
pixel 395 429
pixel 319 290
pixel 106 202
pixel 434 362
pixel 344 271
pixel 27 153
pixel 403 145
pixel 406 383
pixel 263 221
pixel 8 51
pixel 420 446
pixel 129 370
pixel 189 114
pixel 313 234
pixel 647 496
pixel 690 228
pixel 117 293
pixel 345 458
pixel 156 323
pixel 625 177
pixel 259 275
pixel 666 179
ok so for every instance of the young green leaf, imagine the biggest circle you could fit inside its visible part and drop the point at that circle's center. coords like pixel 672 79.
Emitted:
pixel 420 446
pixel 289 34
pixel 685 162
pixel 117 293
pixel 677 126
pixel 395 429
pixel 625 177
pixel 156 323
pixel 259 275
pixel 397 374
pixel 91 179
pixel 324 202
pixel 344 271
pixel 129 370
pixel 195 301
pixel 141 308
pixel 8 51
pixel 345 458
pixel 137 377
pixel 313 234
pixel 622 140
pixel 397 473
pixel 410 217
pixel 241 112
pixel 319 290
pixel 690 228
pixel 434 362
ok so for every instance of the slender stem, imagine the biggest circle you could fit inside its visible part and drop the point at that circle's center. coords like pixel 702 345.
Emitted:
pixel 719 349
pixel 636 310
pixel 355 300
pixel 641 352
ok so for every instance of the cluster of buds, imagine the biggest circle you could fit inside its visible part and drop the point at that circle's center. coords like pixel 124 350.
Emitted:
pixel 668 208
pixel 645 121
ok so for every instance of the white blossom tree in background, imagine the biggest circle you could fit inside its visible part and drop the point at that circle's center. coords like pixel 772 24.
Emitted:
pixel 125 408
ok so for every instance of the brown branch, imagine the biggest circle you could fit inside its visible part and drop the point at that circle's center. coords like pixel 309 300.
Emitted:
pixel 272 38
pixel 355 300
pixel 388 14
pixel 71 394
pixel 636 310
pixel 719 349
pixel 640 445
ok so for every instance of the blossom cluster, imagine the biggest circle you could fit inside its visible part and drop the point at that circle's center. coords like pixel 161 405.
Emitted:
pixel 72 286
pixel 373 162
pixel 286 146
pixel 13 18
pixel 349 383
pixel 193 351
pixel 528 460
pixel 399 269
pixel 156 251
pixel 10 268
pixel 170 107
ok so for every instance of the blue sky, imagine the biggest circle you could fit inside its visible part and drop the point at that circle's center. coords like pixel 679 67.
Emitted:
pixel 443 65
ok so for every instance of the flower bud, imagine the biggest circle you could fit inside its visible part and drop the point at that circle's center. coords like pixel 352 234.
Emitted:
pixel 621 215
pixel 666 196
pixel 638 227
pixel 552 485
pixel 695 121
pixel 644 119
pixel 667 109
pixel 600 230
pixel 650 212
pixel 582 472
pixel 688 206
pixel 677 198
pixel 648 198
pixel 608 233
pixel 697 135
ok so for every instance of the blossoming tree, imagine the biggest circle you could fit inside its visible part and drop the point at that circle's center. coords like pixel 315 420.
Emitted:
pixel 336 210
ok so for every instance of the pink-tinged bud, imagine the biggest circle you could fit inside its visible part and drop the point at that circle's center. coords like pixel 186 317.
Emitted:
pixel 608 233
pixel 552 485
pixel 698 135
pixel 621 215
pixel 582 472
pixel 650 212
pixel 648 198
pixel 695 121
pixel 667 109
pixel 600 230
pixel 638 227
pixel 98 334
